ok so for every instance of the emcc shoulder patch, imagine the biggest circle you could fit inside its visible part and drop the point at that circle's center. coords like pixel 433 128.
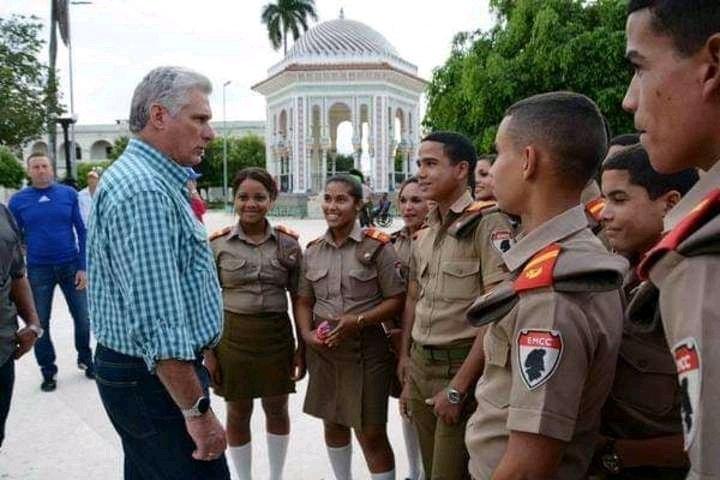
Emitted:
pixel 687 362
pixel 539 354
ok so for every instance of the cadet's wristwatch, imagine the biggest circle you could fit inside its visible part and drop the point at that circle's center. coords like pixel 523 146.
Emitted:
pixel 37 329
pixel 455 396
pixel 199 409
pixel 610 460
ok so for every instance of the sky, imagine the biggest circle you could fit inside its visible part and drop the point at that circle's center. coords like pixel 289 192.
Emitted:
pixel 115 42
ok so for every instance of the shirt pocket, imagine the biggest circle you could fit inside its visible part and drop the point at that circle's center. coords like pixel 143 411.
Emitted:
pixel 460 280
pixel 363 283
pixel 277 273
pixel 496 382
pixel 234 272
pixel 645 378
pixel 318 278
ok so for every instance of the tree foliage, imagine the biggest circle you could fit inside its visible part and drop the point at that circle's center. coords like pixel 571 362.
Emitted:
pixel 11 171
pixel 83 168
pixel 247 151
pixel 287 16
pixel 24 101
pixel 537 46
pixel 118 147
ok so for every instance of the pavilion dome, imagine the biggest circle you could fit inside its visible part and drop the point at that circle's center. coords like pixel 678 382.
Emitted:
pixel 343 41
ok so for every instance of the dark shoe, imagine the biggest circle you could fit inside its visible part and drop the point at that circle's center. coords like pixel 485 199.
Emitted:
pixel 90 372
pixel 48 385
pixel 82 365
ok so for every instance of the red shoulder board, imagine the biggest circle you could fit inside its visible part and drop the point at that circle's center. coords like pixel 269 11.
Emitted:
pixel 220 233
pixel 595 208
pixel 704 211
pixel 287 231
pixel 480 205
pixel 377 235
pixel 538 272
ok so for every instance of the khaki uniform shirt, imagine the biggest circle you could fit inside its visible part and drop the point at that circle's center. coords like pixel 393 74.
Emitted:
pixel 645 398
pixel 340 283
pixel 402 241
pixel 252 278
pixel 564 400
pixel 690 309
pixel 452 272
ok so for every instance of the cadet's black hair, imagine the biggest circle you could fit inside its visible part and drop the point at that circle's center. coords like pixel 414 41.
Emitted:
pixel 689 23
pixel 458 148
pixel 490 158
pixel 407 182
pixel 624 140
pixel 259 175
pixel 636 162
pixel 570 125
pixel 354 186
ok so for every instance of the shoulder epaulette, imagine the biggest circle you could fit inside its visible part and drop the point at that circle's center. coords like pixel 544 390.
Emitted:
pixel 538 272
pixel 219 233
pixel 707 209
pixel 287 231
pixel 595 207
pixel 469 218
pixel 376 234
pixel 313 242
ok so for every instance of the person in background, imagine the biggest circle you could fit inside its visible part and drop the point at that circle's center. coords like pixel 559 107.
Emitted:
pixel 349 286
pixel 641 425
pixel 48 215
pixel 258 265
pixel 86 195
pixel 198 205
pixel 413 209
pixel 383 206
pixel 15 297
pixel 366 219
pixel 483 178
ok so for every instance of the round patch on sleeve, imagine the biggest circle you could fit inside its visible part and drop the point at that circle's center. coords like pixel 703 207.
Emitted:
pixel 539 354
pixel 687 361
pixel 502 240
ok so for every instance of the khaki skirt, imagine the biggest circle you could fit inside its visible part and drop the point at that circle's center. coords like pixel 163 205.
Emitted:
pixel 255 355
pixel 350 384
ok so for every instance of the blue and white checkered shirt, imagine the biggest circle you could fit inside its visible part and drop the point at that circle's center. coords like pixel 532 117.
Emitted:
pixel 152 285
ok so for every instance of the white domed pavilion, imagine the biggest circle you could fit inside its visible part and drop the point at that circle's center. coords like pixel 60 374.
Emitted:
pixel 341 71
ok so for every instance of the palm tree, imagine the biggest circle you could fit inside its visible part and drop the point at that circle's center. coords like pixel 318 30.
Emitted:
pixel 285 16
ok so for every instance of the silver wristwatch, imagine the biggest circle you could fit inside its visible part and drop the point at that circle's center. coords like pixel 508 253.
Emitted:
pixel 37 329
pixel 455 396
pixel 202 405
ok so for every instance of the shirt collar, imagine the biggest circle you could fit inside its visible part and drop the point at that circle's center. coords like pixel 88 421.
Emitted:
pixel 707 183
pixel 561 226
pixel 238 232
pixel 356 234
pixel 158 161
pixel 458 207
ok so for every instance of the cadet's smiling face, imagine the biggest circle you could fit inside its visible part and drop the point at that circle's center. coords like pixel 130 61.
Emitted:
pixel 439 178
pixel 483 181
pixel 413 206
pixel 630 232
pixel 339 206
pixel 507 171
pixel 252 202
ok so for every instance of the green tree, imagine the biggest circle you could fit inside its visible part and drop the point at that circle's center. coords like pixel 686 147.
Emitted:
pixel 24 101
pixel 11 170
pixel 83 168
pixel 119 146
pixel 287 16
pixel 247 151
pixel 537 46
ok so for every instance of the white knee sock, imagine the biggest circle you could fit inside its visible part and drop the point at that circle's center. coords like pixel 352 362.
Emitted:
pixel 412 446
pixel 341 461
pixel 277 451
pixel 389 475
pixel 242 459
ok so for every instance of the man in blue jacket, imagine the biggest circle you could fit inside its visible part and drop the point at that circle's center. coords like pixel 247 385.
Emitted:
pixel 48 216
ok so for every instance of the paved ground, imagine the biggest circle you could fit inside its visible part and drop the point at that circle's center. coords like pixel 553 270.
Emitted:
pixel 66 434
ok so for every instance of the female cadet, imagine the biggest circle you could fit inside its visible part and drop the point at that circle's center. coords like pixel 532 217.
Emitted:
pixel 350 284
pixel 256 357
pixel 413 208
pixel 483 178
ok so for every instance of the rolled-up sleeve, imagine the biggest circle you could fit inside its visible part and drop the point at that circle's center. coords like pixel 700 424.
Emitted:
pixel 145 245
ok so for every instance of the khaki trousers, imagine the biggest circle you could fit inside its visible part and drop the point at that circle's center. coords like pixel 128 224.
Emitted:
pixel 442 446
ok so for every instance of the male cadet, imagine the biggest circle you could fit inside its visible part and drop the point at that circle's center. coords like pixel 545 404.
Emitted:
pixel 455 259
pixel 641 427
pixel 555 326
pixel 674 46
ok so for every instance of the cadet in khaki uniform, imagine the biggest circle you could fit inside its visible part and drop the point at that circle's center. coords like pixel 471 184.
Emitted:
pixel 455 259
pixel 641 426
pixel 256 358
pixel 674 46
pixel 555 328
pixel 350 284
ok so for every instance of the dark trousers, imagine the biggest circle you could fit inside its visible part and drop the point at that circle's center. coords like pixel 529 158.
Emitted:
pixel 7 380
pixel 43 279
pixel 152 429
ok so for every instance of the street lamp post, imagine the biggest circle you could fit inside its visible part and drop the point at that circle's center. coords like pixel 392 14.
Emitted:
pixel 225 168
pixel 66 122
pixel 69 164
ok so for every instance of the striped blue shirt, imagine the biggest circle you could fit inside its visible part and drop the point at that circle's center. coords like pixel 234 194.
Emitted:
pixel 152 285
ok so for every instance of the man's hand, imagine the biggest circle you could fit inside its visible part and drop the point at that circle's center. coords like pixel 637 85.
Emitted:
pixel 213 367
pixel 311 340
pixel 208 435
pixel 347 327
pixel 80 280
pixel 404 401
pixel 299 367
pixel 445 410
pixel 24 340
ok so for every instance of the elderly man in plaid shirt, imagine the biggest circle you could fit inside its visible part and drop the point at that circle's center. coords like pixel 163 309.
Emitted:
pixel 154 298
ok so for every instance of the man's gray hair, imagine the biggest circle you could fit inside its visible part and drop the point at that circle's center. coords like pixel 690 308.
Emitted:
pixel 166 86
